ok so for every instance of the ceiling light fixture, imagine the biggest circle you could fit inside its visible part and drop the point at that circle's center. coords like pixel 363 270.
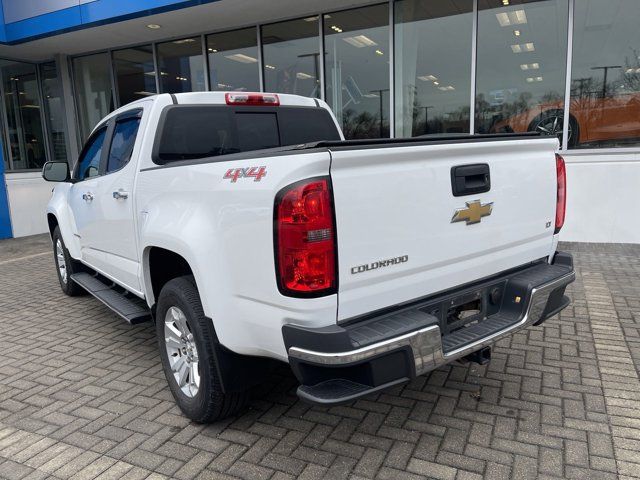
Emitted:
pixel 514 17
pixel 154 26
pixel 360 41
pixel 516 33
pixel 523 47
pixel 530 66
pixel 240 57
pixel 427 78
pixel 270 67
pixel 379 52
pixel 303 76
pixel 184 40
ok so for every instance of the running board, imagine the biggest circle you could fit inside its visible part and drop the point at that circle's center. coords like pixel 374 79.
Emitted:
pixel 133 309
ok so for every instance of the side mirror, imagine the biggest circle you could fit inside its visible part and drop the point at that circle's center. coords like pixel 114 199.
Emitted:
pixel 56 172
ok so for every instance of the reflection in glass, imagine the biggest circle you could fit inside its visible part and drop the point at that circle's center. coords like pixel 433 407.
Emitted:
pixel 94 97
pixel 357 70
pixel 433 66
pixel 181 66
pixel 22 106
pixel 54 111
pixel 605 75
pixel 291 57
pixel 233 60
pixel 521 66
pixel 135 74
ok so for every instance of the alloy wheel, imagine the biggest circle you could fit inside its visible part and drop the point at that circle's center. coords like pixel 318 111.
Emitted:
pixel 62 263
pixel 553 125
pixel 182 352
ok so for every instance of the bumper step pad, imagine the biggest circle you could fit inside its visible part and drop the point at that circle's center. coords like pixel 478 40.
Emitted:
pixel 339 363
pixel 339 391
pixel 128 306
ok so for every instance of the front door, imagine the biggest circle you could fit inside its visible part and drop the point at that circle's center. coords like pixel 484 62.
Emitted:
pixel 82 198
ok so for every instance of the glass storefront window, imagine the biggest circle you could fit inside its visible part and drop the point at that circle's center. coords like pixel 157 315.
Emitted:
pixel 521 65
pixel 93 91
pixel 54 110
pixel 291 57
pixel 357 70
pixel 22 108
pixel 135 73
pixel 433 42
pixel 605 75
pixel 181 66
pixel 233 60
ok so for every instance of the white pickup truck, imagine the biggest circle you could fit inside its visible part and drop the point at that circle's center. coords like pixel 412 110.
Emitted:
pixel 250 231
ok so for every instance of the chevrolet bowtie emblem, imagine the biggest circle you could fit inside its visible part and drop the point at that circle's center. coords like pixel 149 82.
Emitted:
pixel 473 213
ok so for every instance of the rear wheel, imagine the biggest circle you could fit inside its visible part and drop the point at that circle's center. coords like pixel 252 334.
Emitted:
pixel 66 266
pixel 185 339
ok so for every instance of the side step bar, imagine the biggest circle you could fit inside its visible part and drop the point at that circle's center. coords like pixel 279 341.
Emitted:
pixel 128 306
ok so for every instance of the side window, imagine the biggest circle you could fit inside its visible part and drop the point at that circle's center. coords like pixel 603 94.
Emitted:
pixel 124 138
pixel 89 162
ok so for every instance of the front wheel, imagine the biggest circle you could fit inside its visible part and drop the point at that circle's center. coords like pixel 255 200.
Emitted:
pixel 185 339
pixel 66 266
pixel 551 122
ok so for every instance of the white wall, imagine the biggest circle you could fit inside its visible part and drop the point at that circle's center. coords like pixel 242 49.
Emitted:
pixel 603 197
pixel 603 201
pixel 28 196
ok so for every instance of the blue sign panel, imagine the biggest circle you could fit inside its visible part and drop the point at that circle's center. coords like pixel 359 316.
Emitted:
pixel 24 20
pixel 5 220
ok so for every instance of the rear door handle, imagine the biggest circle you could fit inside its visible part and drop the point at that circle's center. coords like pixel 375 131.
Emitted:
pixel 120 195
pixel 470 179
pixel 87 197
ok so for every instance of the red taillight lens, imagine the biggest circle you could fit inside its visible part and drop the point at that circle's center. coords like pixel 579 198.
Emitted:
pixel 243 98
pixel 305 239
pixel 561 204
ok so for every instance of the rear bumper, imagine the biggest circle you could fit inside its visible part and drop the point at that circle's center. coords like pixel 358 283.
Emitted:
pixel 337 364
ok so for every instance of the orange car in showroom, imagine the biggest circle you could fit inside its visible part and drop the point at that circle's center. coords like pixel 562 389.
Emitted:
pixel 591 121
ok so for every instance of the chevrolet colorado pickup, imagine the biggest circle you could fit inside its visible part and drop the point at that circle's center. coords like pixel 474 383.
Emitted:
pixel 250 231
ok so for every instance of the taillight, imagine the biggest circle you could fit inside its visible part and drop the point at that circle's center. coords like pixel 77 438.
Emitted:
pixel 305 236
pixel 243 98
pixel 561 203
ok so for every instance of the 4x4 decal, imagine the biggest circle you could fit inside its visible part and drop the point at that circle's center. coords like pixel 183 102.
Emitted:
pixel 256 173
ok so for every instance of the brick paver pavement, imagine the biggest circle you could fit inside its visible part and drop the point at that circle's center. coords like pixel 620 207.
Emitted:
pixel 82 395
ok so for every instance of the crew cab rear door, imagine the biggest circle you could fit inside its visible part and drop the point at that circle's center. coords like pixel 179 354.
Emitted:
pixel 115 198
pixel 417 219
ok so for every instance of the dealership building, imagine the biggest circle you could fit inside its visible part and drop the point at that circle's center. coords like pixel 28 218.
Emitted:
pixel 398 68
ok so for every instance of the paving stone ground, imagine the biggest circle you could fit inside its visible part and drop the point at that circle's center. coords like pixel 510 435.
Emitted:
pixel 82 396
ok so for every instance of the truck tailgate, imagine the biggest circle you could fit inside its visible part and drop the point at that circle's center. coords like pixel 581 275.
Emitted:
pixel 394 209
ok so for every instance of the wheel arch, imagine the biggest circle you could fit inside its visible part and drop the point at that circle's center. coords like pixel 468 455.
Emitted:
pixel 52 222
pixel 161 265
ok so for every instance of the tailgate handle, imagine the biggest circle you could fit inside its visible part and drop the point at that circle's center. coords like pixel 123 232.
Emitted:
pixel 470 179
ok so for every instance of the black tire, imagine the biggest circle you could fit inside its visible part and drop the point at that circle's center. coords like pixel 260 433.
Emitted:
pixel 68 286
pixel 210 403
pixel 547 116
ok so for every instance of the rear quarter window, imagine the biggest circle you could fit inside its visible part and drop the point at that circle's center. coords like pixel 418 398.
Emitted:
pixel 187 132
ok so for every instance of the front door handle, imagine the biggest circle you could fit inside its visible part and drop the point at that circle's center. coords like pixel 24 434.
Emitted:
pixel 87 197
pixel 120 195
